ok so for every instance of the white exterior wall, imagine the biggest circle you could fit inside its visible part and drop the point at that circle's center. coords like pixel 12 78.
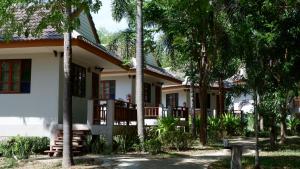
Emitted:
pixel 123 86
pixel 182 97
pixel 243 102
pixel 126 85
pixel 35 113
pixel 213 102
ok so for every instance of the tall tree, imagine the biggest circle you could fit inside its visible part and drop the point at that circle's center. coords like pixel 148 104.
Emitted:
pixel 125 9
pixel 190 30
pixel 140 70
pixel 67 99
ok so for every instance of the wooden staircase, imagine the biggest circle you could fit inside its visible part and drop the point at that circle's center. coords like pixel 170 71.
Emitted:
pixel 79 143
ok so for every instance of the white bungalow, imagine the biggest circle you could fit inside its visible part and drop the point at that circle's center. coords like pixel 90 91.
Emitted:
pixel 31 79
pixel 179 96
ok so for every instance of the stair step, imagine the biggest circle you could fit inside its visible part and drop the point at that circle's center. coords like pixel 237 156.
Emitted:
pixel 78 143
pixel 80 132
pixel 74 138
pixel 57 153
pixel 61 146
pixel 61 143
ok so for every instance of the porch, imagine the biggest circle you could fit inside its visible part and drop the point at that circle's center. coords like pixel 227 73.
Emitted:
pixel 104 115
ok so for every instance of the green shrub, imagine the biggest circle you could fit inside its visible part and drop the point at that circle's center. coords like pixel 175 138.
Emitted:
pixel 172 136
pixel 264 134
pixel 181 140
pixel 125 140
pixel 40 144
pixel 96 144
pixel 166 124
pixel 293 124
pixel 22 147
pixel 231 124
pixel 214 128
pixel 153 146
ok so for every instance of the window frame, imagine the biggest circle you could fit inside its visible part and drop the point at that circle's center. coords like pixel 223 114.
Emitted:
pixel 21 71
pixel 107 83
pixel 147 92
pixel 80 84
pixel 175 97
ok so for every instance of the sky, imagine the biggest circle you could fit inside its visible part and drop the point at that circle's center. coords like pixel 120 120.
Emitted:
pixel 104 19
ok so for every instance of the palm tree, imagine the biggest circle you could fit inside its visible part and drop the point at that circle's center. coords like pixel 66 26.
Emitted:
pixel 122 9
pixel 67 99
pixel 139 70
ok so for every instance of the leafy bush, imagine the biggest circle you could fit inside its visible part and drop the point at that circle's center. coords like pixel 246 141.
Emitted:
pixel 126 140
pixel 293 124
pixel 263 134
pixel 170 135
pixel 22 147
pixel 231 124
pixel 153 146
pixel 166 124
pixel 214 128
pixel 181 140
pixel 96 144
pixel 39 144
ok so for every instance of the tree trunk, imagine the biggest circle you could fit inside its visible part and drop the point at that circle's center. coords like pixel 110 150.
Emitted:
pixel 283 126
pixel 221 97
pixel 139 71
pixel 272 131
pixel 261 122
pixel 192 108
pixel 256 102
pixel 67 101
pixel 203 115
pixel 203 83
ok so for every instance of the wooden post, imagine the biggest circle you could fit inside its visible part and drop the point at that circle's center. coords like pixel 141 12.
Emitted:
pixel 236 154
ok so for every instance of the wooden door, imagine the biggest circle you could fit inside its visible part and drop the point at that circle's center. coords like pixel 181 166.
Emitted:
pixel 95 85
pixel 157 95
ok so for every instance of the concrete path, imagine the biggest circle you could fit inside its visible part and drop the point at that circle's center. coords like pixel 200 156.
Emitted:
pixel 181 161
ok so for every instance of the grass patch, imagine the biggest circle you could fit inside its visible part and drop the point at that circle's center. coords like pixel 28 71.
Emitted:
pixel 285 156
pixel 266 162
pixel 292 143
pixel 7 163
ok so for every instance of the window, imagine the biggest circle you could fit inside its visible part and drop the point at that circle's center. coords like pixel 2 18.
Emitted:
pixel 108 89
pixel 15 75
pixel 78 79
pixel 198 101
pixel 172 100
pixel 147 93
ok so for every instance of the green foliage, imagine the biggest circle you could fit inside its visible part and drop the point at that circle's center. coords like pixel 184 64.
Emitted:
pixel 125 140
pixel 250 122
pixel 96 145
pixel 22 147
pixel 171 136
pixel 166 124
pixel 293 124
pixel 214 128
pixel 231 124
pixel 153 146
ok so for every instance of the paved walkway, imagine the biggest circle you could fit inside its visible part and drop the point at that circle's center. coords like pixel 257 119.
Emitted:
pixel 199 159
pixel 181 161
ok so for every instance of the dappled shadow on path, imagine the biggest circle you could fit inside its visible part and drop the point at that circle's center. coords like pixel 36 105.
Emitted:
pixel 179 162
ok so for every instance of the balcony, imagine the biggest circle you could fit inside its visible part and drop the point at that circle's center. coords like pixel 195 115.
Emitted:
pixel 125 113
